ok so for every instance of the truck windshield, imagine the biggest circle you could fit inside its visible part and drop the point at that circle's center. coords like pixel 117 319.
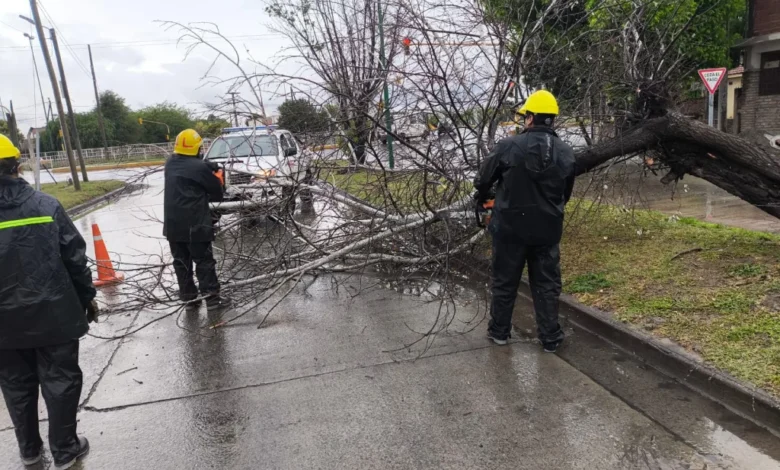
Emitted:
pixel 243 146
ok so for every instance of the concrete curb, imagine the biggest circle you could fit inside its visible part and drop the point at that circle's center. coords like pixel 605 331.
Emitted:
pixel 674 361
pixel 75 211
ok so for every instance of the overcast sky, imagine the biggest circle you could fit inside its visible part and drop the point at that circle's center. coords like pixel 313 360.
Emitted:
pixel 134 56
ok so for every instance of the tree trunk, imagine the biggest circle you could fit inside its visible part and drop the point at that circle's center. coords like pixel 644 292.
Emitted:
pixel 747 169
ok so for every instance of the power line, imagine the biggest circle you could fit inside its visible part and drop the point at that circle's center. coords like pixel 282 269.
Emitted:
pixel 62 38
pixel 151 42
pixel 16 29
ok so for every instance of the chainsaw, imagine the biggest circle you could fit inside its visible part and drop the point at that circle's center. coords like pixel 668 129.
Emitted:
pixel 483 211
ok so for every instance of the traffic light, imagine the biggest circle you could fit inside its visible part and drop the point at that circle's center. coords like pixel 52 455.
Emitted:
pixel 407 42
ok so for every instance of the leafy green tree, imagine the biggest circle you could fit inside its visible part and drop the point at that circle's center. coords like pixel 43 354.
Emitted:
pixel 89 130
pixel 115 110
pixel 300 116
pixel 595 54
pixel 4 129
pixel 50 137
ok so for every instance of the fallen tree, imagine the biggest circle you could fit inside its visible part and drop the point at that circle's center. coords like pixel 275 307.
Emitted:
pixel 748 169
pixel 618 73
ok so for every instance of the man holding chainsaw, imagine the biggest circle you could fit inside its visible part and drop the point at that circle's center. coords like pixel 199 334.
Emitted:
pixel 535 175
pixel 190 183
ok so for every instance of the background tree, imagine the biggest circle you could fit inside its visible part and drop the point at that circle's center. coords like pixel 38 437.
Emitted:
pixel 211 127
pixel 89 130
pixel 115 110
pixel 4 129
pixel 339 43
pixel 300 116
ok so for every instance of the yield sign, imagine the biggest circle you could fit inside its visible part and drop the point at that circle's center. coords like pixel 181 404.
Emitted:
pixel 712 78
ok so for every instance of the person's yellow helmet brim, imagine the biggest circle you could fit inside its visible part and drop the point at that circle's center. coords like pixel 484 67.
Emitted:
pixel 522 110
pixel 188 143
pixel 540 102
pixel 8 149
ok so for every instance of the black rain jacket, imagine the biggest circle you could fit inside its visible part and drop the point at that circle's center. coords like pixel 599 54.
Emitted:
pixel 189 187
pixel 535 175
pixel 45 283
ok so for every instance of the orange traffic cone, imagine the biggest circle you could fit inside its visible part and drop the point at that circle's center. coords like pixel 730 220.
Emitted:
pixel 105 269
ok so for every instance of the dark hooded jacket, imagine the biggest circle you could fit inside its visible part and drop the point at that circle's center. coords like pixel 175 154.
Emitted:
pixel 189 186
pixel 535 175
pixel 45 283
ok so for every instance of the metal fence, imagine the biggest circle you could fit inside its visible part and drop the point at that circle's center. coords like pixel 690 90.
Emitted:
pixel 123 154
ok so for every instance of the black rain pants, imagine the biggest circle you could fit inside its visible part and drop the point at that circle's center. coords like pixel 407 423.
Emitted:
pixel 55 369
pixel 544 273
pixel 184 254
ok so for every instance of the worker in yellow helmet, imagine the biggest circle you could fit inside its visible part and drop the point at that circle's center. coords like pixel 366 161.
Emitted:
pixel 190 184
pixel 533 175
pixel 46 303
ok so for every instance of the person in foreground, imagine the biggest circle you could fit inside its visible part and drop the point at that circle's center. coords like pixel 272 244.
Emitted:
pixel 46 302
pixel 535 175
pixel 190 184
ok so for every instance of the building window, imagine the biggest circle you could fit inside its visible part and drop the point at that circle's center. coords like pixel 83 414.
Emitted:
pixel 769 80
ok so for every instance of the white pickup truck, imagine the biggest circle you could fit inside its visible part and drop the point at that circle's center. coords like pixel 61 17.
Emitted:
pixel 257 162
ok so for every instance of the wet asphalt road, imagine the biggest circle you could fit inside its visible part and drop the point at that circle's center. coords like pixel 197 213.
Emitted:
pixel 329 383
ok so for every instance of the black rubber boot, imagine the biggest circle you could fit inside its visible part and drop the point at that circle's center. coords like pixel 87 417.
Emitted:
pixel 217 302
pixel 83 451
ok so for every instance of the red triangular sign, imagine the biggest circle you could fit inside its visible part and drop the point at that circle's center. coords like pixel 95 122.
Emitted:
pixel 712 78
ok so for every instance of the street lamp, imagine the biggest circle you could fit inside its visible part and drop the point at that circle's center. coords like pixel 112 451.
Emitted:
pixel 38 77
pixel 29 20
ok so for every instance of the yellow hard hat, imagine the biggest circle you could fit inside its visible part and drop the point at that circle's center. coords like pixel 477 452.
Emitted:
pixel 540 102
pixel 7 148
pixel 522 110
pixel 188 143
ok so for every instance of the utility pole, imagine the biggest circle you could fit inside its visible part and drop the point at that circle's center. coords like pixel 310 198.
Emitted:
pixel 383 64
pixel 97 105
pixel 74 132
pixel 57 98
pixel 235 111
pixel 38 77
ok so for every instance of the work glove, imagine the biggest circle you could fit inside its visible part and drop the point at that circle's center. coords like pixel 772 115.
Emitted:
pixel 213 167
pixel 221 177
pixel 92 312
pixel 480 198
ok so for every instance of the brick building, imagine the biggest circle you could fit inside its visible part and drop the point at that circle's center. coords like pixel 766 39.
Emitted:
pixel 758 103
